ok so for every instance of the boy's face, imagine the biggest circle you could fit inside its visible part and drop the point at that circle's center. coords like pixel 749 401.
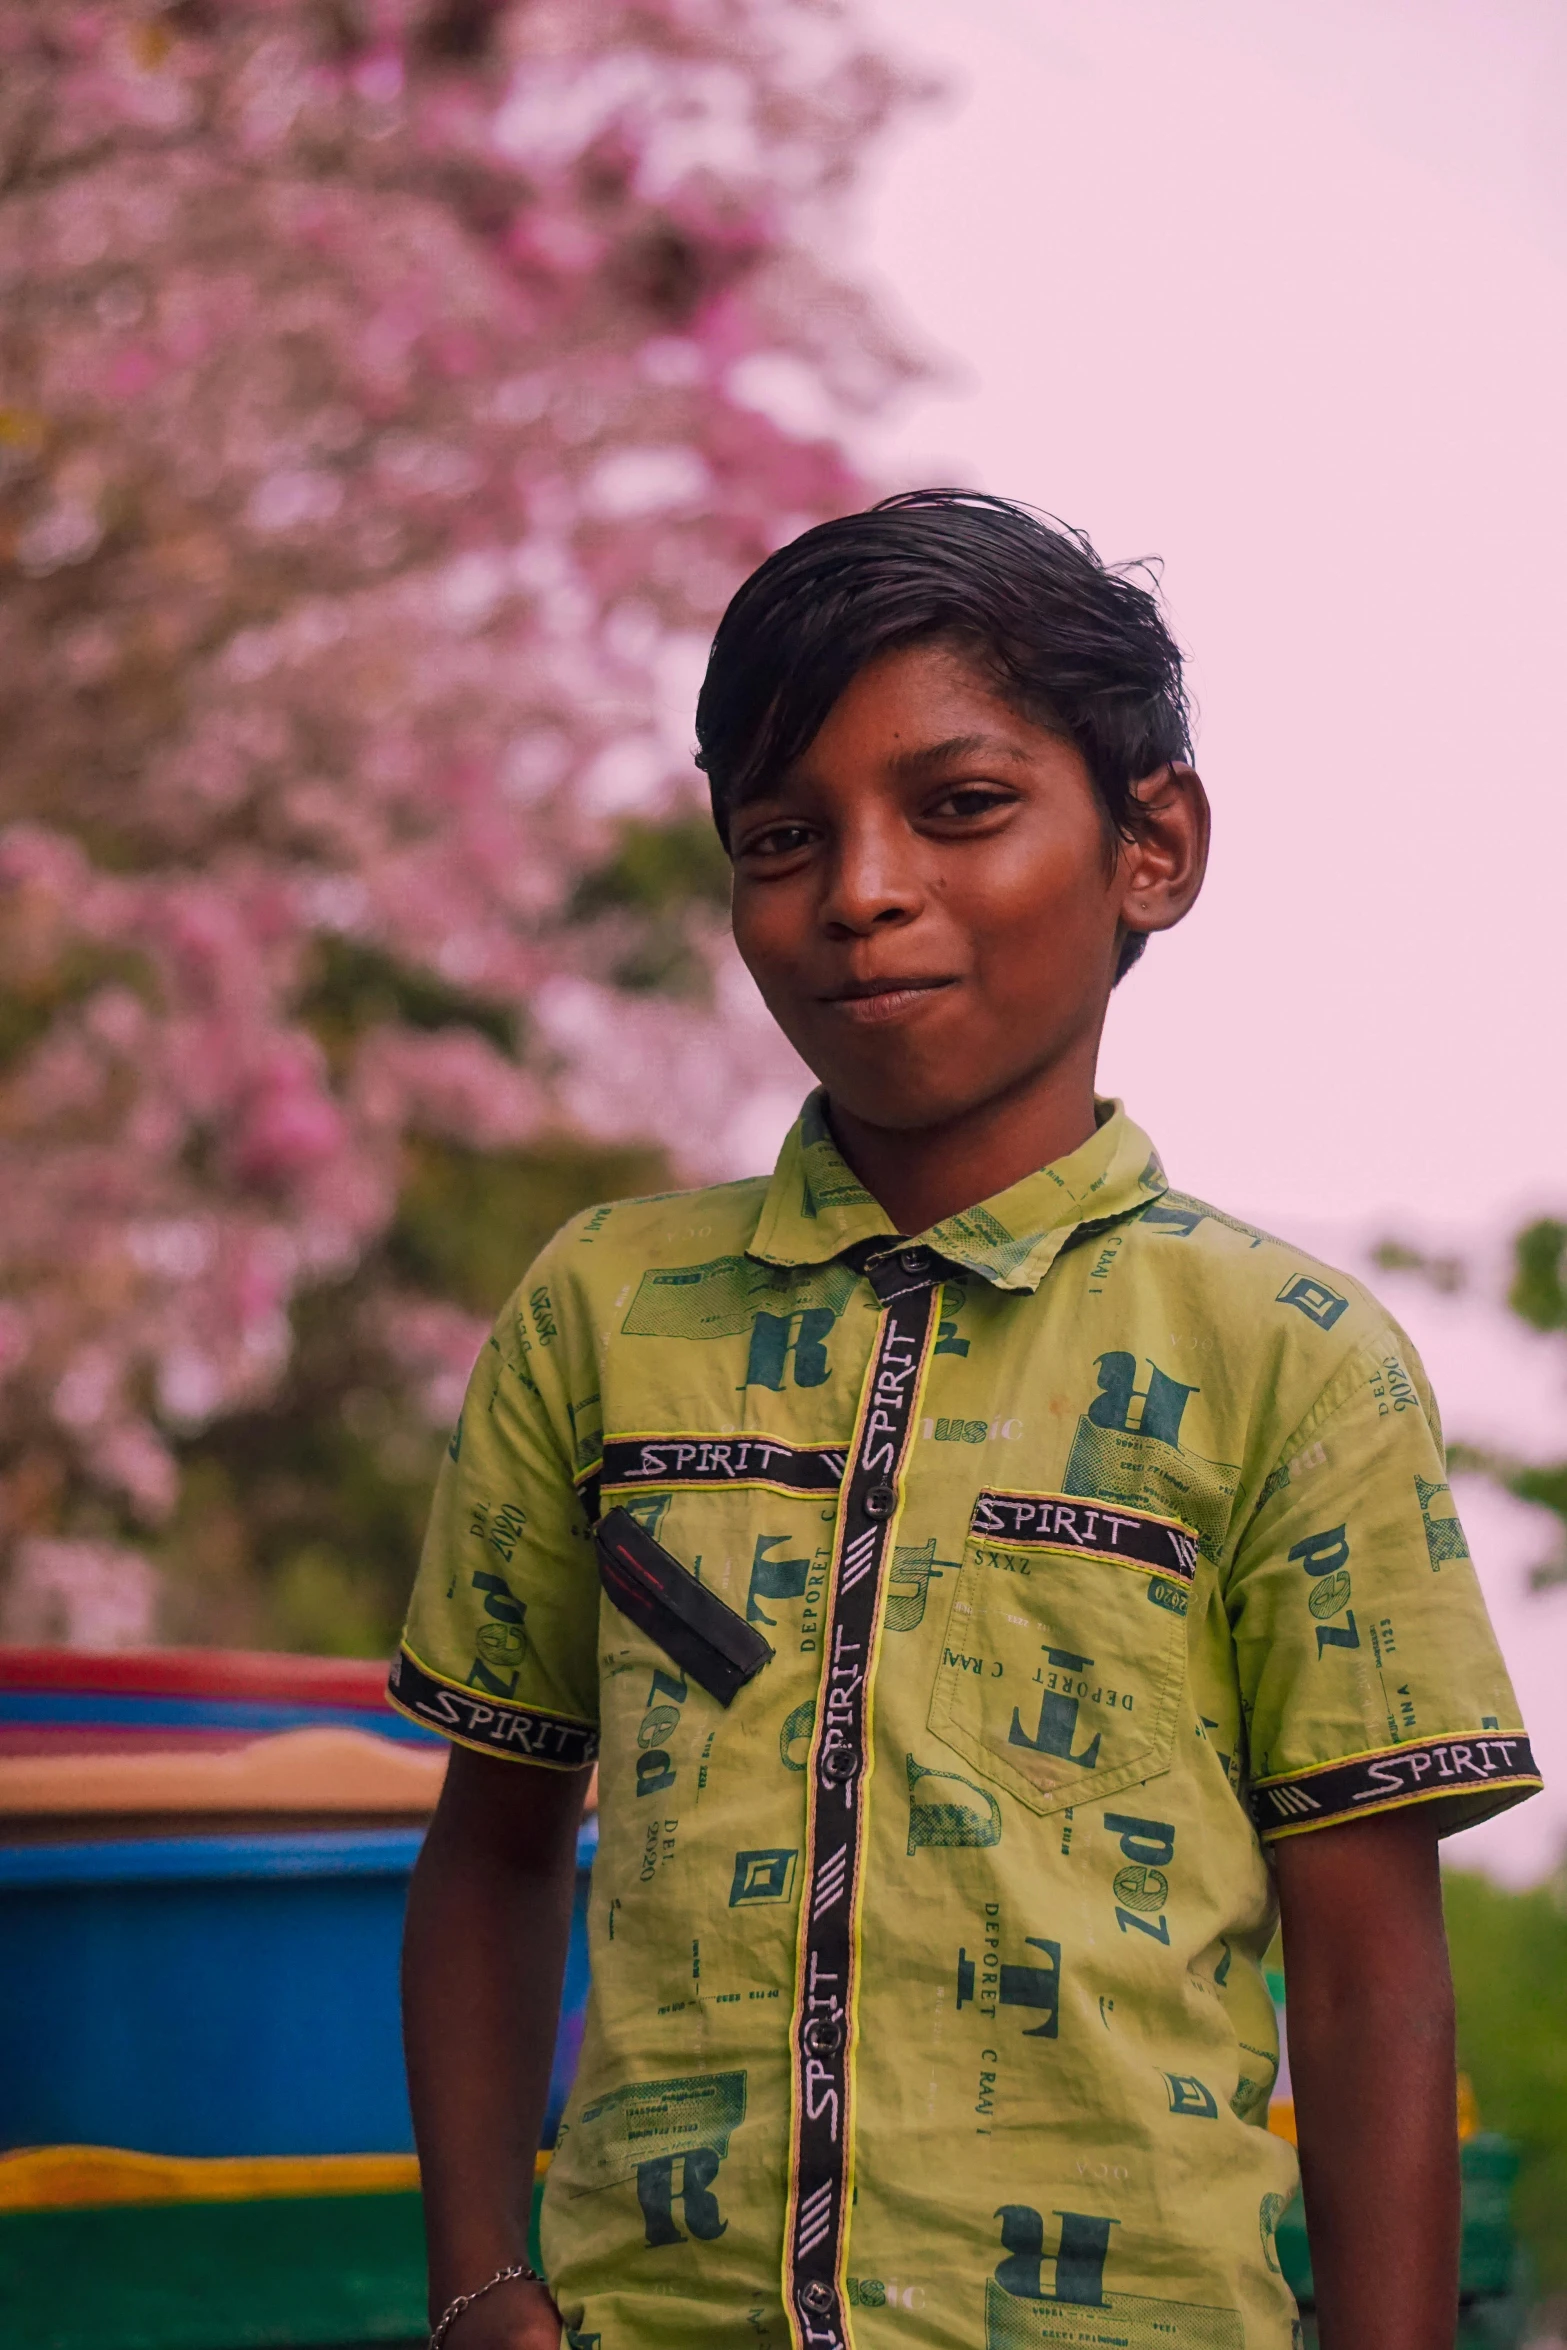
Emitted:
pixel 930 901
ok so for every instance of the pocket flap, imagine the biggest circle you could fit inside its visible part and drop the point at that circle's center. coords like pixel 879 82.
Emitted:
pixel 694 1627
pixel 1061 1674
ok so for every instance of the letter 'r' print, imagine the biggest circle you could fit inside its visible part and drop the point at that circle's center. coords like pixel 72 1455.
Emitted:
pixel 777 1337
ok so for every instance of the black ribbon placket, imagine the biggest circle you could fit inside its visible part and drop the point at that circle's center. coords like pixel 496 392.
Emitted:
pixel 905 1280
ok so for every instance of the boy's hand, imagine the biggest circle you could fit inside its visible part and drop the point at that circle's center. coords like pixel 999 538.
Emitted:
pixel 513 2317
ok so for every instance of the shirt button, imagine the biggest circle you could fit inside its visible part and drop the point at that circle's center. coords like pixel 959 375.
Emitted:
pixel 881 1501
pixel 816 2299
pixel 822 2036
pixel 838 1764
pixel 915 1260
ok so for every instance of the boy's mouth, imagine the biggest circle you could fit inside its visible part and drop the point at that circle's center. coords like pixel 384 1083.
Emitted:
pixel 870 1000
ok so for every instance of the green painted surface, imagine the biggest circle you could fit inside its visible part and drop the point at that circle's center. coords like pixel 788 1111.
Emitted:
pixel 214 2276
pixel 285 2273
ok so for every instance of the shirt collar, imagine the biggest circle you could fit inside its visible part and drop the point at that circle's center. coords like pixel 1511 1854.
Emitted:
pixel 816 1208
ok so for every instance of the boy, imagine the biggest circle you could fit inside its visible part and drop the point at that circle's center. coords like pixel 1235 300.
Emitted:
pixel 1014 1581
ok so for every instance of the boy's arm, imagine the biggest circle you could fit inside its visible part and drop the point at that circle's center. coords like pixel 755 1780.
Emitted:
pixel 489 1914
pixel 1370 2014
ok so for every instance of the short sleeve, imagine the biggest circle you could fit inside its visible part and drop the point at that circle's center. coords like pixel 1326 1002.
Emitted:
pixel 500 1647
pixel 1370 1677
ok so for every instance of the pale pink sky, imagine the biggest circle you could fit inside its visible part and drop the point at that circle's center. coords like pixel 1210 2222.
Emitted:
pixel 1275 289
pixel 1277 292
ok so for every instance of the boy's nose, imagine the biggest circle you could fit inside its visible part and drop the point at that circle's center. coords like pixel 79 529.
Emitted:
pixel 872 882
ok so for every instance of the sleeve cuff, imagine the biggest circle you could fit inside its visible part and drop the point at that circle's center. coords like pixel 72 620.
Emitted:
pixel 490 1725
pixel 1477 1775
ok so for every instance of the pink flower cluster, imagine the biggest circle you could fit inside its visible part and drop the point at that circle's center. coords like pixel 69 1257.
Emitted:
pixel 391 392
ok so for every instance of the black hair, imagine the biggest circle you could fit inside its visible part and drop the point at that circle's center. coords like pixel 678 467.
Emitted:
pixel 1082 649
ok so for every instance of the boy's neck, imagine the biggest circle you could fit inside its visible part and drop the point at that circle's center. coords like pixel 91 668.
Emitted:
pixel 921 1176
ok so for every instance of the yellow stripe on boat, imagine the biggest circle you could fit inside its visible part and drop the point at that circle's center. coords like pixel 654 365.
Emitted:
pixel 58 2178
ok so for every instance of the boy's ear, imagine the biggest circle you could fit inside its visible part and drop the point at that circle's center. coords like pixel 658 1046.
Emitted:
pixel 1161 867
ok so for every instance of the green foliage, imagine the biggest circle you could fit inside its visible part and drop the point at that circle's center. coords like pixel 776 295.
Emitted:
pixel 31 997
pixel 1537 1295
pixel 1446 1274
pixel 1545 1487
pixel 642 898
pixel 657 866
pixel 352 988
pixel 1539 1292
pixel 1510 1970
pixel 469 1223
pixel 299 1527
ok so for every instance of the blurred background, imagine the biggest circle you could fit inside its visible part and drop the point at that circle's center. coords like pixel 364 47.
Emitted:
pixel 392 392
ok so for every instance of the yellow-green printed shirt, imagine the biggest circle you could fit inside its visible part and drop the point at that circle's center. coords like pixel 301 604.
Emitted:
pixel 1099 1540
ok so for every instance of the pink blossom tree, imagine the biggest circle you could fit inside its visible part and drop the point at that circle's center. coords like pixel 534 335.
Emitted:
pixel 391 392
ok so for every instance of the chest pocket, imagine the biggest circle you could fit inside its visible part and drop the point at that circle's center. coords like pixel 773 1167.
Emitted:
pixel 1061 1673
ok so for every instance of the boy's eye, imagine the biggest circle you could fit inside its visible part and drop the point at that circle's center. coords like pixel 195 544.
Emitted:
pixel 779 840
pixel 973 799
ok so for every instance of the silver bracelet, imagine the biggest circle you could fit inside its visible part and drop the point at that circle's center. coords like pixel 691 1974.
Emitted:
pixel 521 2274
